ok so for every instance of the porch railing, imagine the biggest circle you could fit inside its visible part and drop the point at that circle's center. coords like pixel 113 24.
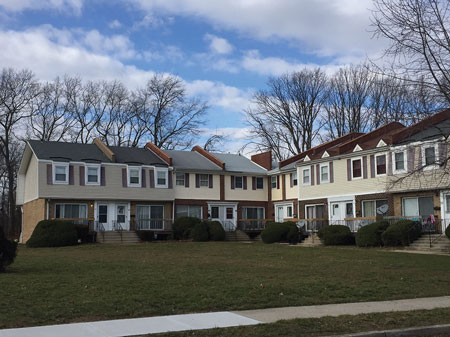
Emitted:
pixel 151 224
pixel 228 226
pixel 253 224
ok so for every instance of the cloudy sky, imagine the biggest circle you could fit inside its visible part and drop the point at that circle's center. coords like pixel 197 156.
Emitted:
pixel 223 50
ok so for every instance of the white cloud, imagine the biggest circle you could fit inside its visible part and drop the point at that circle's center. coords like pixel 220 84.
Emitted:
pixel 115 24
pixel 218 45
pixel 62 5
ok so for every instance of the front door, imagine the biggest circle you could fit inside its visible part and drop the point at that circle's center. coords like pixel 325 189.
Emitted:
pixel 280 214
pixel 339 211
pixel 121 217
pixel 225 214
pixel 112 216
pixel 103 216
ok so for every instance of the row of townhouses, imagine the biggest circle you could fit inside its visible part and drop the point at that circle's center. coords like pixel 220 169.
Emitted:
pixel 393 171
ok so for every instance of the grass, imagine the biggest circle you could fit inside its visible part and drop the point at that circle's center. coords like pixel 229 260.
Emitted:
pixel 327 326
pixel 94 282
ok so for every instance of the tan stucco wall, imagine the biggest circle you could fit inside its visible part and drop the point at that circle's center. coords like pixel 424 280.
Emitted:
pixel 112 191
pixel 31 180
pixel 200 193
pixel 291 192
pixel 277 193
pixel 33 212
pixel 249 194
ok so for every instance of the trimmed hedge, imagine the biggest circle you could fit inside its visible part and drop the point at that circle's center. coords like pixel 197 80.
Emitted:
pixel 280 232
pixel 53 233
pixel 370 235
pixel 8 251
pixel 401 233
pixel 145 235
pixel 336 235
pixel 200 232
pixel 215 231
pixel 447 231
pixel 183 226
pixel 82 233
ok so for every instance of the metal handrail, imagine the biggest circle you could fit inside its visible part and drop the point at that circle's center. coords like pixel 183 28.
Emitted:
pixel 118 228
pixel 253 224
pixel 153 224
pixel 228 226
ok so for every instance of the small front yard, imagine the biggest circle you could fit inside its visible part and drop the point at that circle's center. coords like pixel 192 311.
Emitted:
pixel 94 282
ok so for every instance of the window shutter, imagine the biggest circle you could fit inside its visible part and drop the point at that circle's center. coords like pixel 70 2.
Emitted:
pixel 253 183
pixel 232 182
pixel 124 177
pixel 372 166
pixel 349 169
pixel 278 182
pixel 102 176
pixel 170 179
pixel 244 182
pixel 443 153
pixel 210 181
pixel 82 175
pixel 197 180
pixel 70 174
pixel 419 159
pixel 364 167
pixel 411 155
pixel 186 180
pixel 331 173
pixel 144 183
pixel 49 174
pixel 292 179
pixel 318 174
pixel 389 164
pixel 151 183
pixel 311 171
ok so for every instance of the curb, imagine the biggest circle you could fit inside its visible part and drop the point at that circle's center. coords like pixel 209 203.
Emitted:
pixel 409 332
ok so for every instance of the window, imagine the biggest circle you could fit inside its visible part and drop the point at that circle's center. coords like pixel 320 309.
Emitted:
pixel 306 176
pixel 93 175
pixel 179 180
pixel 356 168
pixel 259 183
pixel 161 178
pixel 204 180
pixel 61 175
pixel 315 211
pixel 294 178
pixel 399 162
pixel 289 212
pixel 134 176
pixel 349 209
pixel 237 182
pixel 70 211
pixel 192 211
pixel 103 213
pixel 447 203
pixel 381 164
pixel 430 155
pixel 149 217
pixel 230 213
pixel 214 212
pixel 273 181
pixel 421 206
pixel 253 213
pixel 324 173
pixel 371 208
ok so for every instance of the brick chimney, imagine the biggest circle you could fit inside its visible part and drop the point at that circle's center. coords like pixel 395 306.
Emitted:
pixel 208 155
pixel 263 159
pixel 105 149
pixel 160 153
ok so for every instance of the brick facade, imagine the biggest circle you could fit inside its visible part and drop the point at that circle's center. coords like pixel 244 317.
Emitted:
pixel 304 203
pixel 399 196
pixel 378 196
pixel 34 211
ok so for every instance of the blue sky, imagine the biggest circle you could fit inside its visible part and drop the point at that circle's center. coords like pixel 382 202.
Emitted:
pixel 223 50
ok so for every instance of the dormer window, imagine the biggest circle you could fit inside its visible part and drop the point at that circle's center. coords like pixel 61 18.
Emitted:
pixel 61 173
pixel 134 176
pixel 356 168
pixel 381 164
pixel 92 175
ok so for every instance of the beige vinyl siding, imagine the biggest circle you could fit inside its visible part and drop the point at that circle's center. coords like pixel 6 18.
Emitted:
pixel 31 180
pixel 341 186
pixel 291 192
pixel 112 191
pixel 277 193
pixel 201 193
pixel 249 194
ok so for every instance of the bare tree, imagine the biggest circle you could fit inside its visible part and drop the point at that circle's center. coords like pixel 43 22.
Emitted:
pixel 17 90
pixel 419 36
pixel 171 118
pixel 285 116
pixel 215 142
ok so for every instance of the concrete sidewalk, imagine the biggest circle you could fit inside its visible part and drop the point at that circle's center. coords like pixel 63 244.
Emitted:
pixel 158 324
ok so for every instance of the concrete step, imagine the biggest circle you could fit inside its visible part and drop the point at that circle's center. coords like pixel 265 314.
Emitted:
pixel 118 237
pixel 311 241
pixel 439 243
pixel 236 235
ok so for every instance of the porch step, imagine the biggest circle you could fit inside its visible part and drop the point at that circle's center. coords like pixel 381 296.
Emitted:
pixel 236 235
pixel 311 241
pixel 440 243
pixel 127 237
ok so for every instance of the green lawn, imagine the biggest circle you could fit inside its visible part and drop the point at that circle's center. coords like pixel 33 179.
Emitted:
pixel 93 282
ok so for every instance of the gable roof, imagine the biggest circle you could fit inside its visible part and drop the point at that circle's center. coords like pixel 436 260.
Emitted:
pixel 238 163
pixel 191 160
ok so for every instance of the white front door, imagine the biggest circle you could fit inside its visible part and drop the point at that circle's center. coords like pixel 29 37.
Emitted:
pixel 111 214
pixel 283 212
pixel 121 216
pixel 341 210
pixel 445 213
pixel 280 214
pixel 225 214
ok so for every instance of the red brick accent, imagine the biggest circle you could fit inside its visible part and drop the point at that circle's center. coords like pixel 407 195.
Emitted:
pixel 263 159
pixel 160 153
pixel 209 156
pixel 377 196
pixel 283 186
pixel 222 187
pixel 105 149
pixel 303 203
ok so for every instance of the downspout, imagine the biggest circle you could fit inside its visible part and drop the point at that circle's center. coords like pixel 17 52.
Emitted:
pixel 47 209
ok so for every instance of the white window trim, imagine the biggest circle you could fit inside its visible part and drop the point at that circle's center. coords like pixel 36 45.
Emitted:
pixel 320 171
pixel 405 160
pixel 200 180
pixel 362 168
pixel 376 166
pixel 66 166
pixel 303 182
pixel 272 180
pixel 256 182
pixel 295 177
pixel 96 166
pixel 189 206
pixel 166 173
pixel 184 178
pixel 436 156
pixel 263 209
pixel 69 203
pixel 242 185
pixel 129 168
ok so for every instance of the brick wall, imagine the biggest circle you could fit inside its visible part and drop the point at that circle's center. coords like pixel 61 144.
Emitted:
pixel 304 203
pixel 398 200
pixel 378 196
pixel 33 212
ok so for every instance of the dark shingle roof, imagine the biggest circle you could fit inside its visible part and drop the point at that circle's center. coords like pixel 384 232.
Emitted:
pixel 191 160
pixel 135 155
pixel 239 163
pixel 430 132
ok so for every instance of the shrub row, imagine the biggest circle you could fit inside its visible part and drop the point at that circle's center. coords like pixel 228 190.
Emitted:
pixel 336 235
pixel 193 228
pixel 280 232
pixel 53 233
pixel 370 235
pixel 401 233
pixel 8 251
